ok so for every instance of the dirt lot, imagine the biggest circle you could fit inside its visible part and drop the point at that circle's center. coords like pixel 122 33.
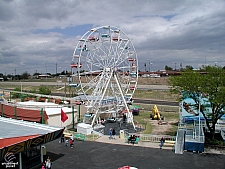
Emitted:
pixel 153 81
pixel 161 129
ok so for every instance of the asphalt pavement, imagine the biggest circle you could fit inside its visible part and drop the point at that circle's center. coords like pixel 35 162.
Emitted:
pixel 105 155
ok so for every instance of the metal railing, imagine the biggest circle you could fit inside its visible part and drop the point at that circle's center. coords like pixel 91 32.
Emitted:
pixel 155 138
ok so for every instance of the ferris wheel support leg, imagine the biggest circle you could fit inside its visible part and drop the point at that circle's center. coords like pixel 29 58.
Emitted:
pixel 128 112
pixel 92 124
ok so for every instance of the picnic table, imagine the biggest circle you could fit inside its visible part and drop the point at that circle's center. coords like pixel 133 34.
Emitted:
pixel 79 136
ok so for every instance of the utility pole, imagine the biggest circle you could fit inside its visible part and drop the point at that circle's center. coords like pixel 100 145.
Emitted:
pixel 56 68
pixel 15 71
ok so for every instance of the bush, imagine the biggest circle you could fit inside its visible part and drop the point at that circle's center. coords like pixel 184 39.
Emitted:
pixel 16 95
pixel 44 90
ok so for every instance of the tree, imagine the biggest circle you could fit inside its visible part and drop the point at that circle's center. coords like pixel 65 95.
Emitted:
pixel 25 75
pixel 168 68
pixel 210 85
pixel 189 67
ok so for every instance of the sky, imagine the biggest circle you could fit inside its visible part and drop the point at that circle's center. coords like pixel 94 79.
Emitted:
pixel 41 35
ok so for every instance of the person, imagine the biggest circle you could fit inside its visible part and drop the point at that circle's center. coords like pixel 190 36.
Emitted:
pixel 67 142
pixel 162 141
pixel 110 133
pixel 62 138
pixel 43 166
pixel 72 138
pixel 133 139
pixel 124 118
pixel 114 133
pixel 48 163
pixel 71 143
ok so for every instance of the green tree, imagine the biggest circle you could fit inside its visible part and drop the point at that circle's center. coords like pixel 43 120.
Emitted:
pixel 189 67
pixel 211 85
pixel 168 68
pixel 25 75
pixel 44 90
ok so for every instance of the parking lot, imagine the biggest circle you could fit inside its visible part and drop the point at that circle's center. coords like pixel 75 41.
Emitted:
pixel 95 155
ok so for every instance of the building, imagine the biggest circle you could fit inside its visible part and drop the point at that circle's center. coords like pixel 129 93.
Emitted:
pixel 53 112
pixel 22 142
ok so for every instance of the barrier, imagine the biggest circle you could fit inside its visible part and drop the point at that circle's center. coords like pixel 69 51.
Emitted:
pixel 155 138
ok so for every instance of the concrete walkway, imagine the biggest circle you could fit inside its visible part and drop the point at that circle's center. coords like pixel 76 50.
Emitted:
pixel 121 141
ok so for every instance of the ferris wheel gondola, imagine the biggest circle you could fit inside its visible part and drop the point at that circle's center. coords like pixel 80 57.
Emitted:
pixel 107 68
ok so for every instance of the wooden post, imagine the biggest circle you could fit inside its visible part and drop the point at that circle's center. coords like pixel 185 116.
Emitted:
pixel 15 113
pixel 42 116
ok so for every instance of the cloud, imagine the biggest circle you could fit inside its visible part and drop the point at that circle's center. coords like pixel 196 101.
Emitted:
pixel 165 32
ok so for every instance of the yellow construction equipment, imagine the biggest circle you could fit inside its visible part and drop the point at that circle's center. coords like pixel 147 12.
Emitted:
pixel 155 114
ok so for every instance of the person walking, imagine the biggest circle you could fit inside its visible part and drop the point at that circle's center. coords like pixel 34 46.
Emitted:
pixel 62 138
pixel 71 143
pixel 110 133
pixel 67 142
pixel 162 141
pixel 48 163
pixel 114 133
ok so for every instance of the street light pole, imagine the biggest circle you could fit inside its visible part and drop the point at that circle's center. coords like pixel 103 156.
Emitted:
pixel 46 73
pixel 150 63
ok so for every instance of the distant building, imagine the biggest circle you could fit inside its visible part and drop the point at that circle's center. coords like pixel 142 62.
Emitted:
pixel 43 76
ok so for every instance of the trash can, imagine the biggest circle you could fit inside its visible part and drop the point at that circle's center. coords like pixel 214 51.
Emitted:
pixel 43 150
pixel 122 134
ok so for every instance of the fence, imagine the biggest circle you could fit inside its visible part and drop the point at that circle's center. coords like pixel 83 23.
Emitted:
pixel 150 137
pixel 155 138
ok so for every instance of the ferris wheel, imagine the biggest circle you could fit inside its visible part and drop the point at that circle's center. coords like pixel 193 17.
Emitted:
pixel 106 65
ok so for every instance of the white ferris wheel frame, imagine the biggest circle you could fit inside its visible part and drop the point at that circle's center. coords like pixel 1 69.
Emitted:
pixel 108 52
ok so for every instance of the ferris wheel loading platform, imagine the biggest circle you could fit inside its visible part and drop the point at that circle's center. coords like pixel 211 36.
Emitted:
pixel 190 137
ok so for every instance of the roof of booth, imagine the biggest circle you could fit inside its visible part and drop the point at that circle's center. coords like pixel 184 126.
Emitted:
pixel 18 135
pixel 16 128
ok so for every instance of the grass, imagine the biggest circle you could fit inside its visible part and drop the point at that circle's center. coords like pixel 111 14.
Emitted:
pixel 155 94
pixel 169 113
pixel 141 119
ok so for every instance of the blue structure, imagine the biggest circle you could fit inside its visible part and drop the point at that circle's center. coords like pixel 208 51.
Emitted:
pixel 190 134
